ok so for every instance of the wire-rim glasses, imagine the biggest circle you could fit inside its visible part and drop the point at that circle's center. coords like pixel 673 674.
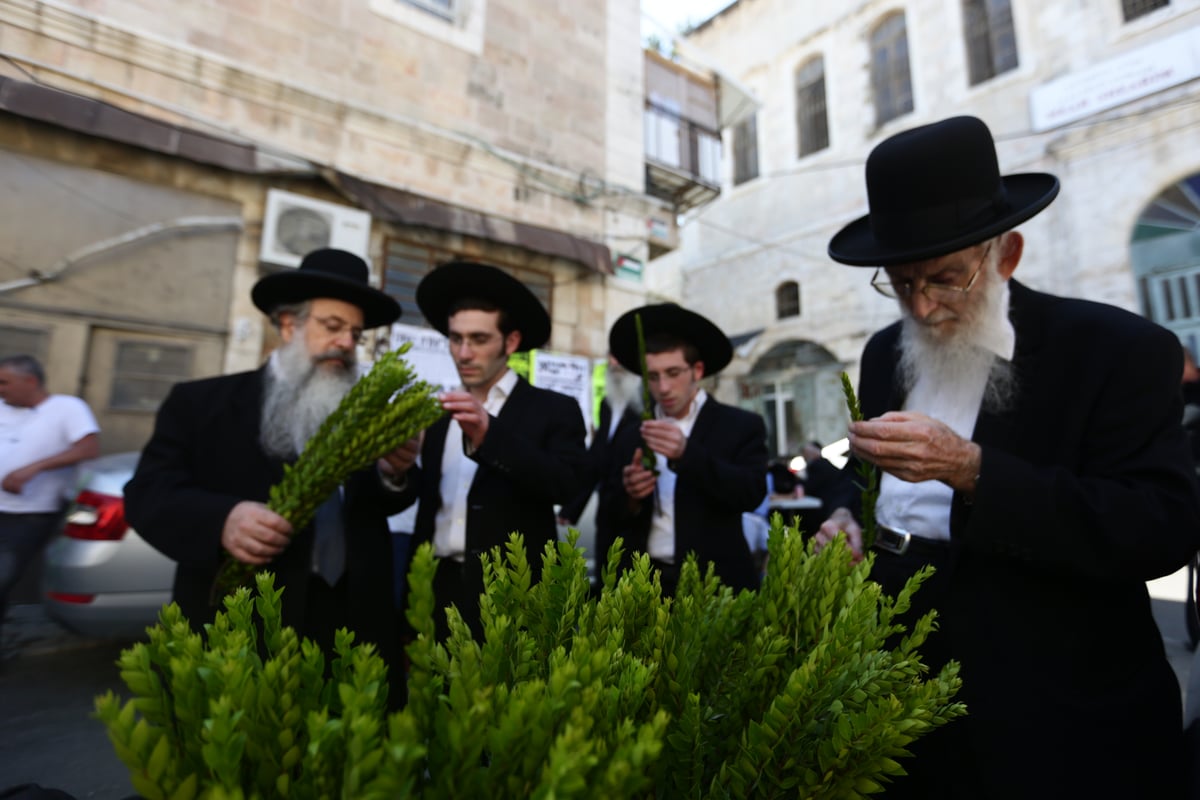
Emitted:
pixel 902 290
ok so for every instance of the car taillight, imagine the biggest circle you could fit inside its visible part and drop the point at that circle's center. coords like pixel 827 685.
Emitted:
pixel 96 516
pixel 74 599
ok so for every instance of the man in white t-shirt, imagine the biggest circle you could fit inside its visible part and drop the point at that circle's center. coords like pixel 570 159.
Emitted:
pixel 42 437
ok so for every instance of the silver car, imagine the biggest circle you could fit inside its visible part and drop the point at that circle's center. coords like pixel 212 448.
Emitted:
pixel 101 579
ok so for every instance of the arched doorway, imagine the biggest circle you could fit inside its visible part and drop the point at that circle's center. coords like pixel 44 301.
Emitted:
pixel 796 387
pixel 1165 254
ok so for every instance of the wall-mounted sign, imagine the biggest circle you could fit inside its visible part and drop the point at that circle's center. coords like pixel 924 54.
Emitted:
pixel 629 267
pixel 658 228
pixel 1138 73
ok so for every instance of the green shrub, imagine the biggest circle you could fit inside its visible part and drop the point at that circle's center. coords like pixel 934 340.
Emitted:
pixel 806 688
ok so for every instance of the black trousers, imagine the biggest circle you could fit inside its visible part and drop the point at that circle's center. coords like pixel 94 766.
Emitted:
pixel 459 584
pixel 22 537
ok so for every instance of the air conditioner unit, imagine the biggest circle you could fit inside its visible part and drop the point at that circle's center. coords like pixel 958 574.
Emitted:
pixel 295 225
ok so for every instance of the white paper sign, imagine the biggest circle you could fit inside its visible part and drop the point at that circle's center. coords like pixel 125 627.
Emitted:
pixel 570 375
pixel 429 356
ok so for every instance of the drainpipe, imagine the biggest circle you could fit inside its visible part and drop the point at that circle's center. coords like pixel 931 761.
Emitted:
pixel 179 225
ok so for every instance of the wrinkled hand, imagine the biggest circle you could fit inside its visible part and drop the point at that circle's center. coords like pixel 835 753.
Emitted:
pixel 470 414
pixel 400 460
pixel 664 437
pixel 15 481
pixel 254 534
pixel 840 521
pixel 914 448
pixel 638 482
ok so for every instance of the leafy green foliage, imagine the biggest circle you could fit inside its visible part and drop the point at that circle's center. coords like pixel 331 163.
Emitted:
pixel 383 410
pixel 808 687
pixel 868 473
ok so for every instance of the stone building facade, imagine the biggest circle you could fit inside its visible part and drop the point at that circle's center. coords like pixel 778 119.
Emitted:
pixel 1103 94
pixel 139 147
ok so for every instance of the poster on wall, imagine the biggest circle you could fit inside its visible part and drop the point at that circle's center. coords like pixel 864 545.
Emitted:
pixel 567 374
pixel 429 356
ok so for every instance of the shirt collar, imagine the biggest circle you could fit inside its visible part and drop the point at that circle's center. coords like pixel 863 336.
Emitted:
pixel 504 387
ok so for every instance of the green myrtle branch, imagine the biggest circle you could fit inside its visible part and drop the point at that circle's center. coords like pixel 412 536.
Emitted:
pixel 868 473
pixel 383 410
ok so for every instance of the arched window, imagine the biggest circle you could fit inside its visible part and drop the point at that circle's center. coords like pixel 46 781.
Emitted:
pixel 891 78
pixel 1165 256
pixel 787 300
pixel 991 43
pixel 812 123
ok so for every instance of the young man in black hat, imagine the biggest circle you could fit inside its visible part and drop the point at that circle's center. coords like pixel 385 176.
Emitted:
pixel 219 444
pixel 1031 451
pixel 711 458
pixel 506 453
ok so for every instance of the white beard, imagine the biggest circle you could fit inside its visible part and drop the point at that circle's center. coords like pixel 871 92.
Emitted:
pixel 622 389
pixel 961 359
pixel 298 396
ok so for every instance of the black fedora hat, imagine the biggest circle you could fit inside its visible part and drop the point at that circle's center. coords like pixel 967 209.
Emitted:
pixel 936 189
pixel 438 291
pixel 715 350
pixel 327 273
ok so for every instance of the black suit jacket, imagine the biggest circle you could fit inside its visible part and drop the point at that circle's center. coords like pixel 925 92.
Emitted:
pixel 599 455
pixel 1085 492
pixel 722 473
pixel 532 458
pixel 203 459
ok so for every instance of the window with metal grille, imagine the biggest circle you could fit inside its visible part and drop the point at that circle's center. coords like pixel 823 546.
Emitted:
pixel 812 122
pixel 991 42
pixel 144 373
pixel 745 150
pixel 16 341
pixel 787 300
pixel 406 263
pixel 1132 9
pixel 891 77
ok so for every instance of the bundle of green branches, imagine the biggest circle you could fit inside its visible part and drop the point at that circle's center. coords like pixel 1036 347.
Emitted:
pixel 808 687
pixel 385 408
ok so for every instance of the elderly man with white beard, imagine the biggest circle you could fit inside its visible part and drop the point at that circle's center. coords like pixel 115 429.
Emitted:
pixel 1031 451
pixel 621 408
pixel 219 444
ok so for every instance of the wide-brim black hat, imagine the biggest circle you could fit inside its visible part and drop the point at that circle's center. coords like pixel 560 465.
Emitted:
pixel 438 291
pixel 936 189
pixel 327 273
pixel 714 347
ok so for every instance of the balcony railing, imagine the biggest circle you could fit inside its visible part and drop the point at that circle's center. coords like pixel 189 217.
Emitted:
pixel 683 158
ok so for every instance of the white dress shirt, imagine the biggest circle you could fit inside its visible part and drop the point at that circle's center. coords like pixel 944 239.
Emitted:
pixel 661 544
pixel 458 472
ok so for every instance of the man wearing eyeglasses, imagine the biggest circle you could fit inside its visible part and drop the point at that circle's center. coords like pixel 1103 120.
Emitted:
pixel 219 444
pixel 710 459
pixel 1031 452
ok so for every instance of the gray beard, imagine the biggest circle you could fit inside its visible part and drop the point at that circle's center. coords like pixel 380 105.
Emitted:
pixel 961 359
pixel 297 398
